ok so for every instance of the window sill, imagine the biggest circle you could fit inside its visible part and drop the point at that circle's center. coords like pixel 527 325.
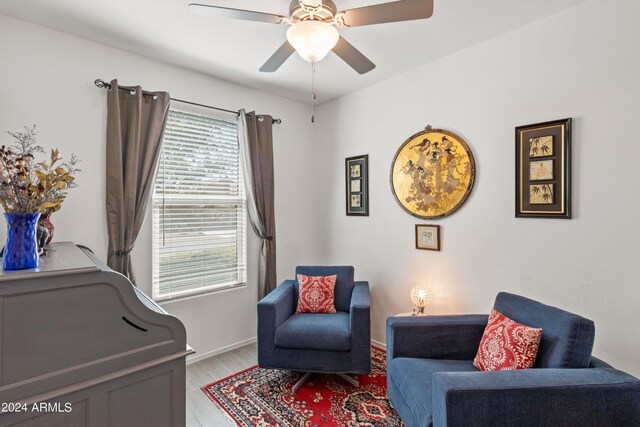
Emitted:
pixel 199 293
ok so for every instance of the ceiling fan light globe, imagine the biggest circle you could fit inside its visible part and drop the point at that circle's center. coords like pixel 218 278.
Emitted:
pixel 312 39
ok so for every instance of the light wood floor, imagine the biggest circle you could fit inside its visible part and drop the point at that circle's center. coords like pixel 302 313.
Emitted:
pixel 201 412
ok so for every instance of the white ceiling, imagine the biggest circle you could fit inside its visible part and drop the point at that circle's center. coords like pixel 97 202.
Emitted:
pixel 234 50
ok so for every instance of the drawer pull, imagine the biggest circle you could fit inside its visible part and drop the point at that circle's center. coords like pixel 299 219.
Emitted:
pixel 133 324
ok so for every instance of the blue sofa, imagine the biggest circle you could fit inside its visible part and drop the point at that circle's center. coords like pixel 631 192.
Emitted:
pixel 311 342
pixel 432 381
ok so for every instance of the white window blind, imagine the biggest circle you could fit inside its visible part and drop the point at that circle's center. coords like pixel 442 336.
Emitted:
pixel 199 230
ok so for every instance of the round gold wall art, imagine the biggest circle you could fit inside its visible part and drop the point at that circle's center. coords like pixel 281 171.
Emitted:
pixel 432 173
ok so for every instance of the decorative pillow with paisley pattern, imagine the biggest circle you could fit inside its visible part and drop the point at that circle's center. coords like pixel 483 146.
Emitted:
pixel 316 294
pixel 507 345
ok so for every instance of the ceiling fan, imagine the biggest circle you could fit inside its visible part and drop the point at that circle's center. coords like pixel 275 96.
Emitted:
pixel 313 30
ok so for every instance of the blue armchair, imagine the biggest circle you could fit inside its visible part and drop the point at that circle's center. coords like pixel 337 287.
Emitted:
pixel 432 381
pixel 333 343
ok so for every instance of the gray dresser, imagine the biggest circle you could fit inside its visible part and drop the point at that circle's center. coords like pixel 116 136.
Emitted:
pixel 81 346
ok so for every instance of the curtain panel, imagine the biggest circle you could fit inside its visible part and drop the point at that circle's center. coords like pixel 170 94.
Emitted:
pixel 135 124
pixel 255 137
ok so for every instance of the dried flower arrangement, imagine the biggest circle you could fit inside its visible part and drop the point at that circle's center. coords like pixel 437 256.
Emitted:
pixel 27 186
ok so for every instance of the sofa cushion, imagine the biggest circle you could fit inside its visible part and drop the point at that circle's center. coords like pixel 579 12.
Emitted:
pixel 412 378
pixel 316 294
pixel 567 339
pixel 344 282
pixel 315 331
pixel 507 345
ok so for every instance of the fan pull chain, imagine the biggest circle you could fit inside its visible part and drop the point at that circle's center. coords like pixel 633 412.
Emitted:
pixel 313 91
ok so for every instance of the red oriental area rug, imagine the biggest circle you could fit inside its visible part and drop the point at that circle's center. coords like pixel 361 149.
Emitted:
pixel 262 397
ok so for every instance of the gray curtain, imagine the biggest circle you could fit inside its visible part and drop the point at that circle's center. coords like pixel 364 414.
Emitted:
pixel 256 149
pixel 135 123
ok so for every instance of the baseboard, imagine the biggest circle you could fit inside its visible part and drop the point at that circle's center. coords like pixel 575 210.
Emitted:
pixel 379 344
pixel 198 357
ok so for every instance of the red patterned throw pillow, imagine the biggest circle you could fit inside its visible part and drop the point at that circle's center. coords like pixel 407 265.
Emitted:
pixel 316 294
pixel 507 345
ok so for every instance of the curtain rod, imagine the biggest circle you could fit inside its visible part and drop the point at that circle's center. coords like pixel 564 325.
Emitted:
pixel 104 85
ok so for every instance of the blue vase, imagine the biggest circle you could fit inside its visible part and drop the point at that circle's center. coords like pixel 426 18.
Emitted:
pixel 21 249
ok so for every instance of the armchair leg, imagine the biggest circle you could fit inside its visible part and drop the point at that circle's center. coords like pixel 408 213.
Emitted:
pixel 351 380
pixel 301 381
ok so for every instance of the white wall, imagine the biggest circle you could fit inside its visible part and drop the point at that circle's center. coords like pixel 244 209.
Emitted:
pixel 582 63
pixel 46 77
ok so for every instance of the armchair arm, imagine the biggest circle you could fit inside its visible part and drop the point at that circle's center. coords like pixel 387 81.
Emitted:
pixel 360 310
pixel 360 316
pixel 273 310
pixel 598 363
pixel 435 337
pixel 536 397
pixel 360 298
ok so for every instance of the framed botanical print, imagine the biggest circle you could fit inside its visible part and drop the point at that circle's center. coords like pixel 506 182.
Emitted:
pixel 543 170
pixel 357 185
pixel 428 237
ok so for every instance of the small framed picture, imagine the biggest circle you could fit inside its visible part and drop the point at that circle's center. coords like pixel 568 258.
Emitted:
pixel 428 237
pixel 357 185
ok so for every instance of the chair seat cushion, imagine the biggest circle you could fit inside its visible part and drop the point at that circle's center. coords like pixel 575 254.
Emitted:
pixel 412 378
pixel 315 331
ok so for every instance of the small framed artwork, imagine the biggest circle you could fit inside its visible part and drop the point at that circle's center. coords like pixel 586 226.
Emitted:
pixel 357 185
pixel 428 237
pixel 543 170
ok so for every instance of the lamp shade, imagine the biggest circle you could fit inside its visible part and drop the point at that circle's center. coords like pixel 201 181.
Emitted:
pixel 312 39
pixel 421 297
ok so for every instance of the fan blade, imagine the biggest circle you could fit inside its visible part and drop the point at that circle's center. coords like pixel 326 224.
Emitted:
pixel 402 10
pixel 277 59
pixel 230 13
pixel 353 56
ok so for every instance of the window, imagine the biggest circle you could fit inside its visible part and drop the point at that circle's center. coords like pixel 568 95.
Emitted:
pixel 199 225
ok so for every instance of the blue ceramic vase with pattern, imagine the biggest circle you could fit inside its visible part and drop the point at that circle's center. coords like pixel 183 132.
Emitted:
pixel 21 249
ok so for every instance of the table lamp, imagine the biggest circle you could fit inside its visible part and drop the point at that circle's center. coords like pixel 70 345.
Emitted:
pixel 421 297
